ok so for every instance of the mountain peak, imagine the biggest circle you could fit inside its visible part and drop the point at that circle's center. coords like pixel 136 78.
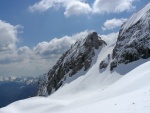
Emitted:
pixel 133 42
pixel 78 57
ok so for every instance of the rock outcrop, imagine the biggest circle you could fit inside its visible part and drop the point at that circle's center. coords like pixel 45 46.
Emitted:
pixel 78 57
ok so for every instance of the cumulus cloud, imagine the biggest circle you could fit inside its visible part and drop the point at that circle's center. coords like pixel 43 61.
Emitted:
pixel 24 50
pixel 44 5
pixel 113 23
pixel 115 6
pixel 57 46
pixel 38 60
pixel 72 7
pixel 8 36
pixel 78 7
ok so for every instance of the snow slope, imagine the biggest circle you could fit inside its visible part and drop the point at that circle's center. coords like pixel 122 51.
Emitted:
pixel 95 92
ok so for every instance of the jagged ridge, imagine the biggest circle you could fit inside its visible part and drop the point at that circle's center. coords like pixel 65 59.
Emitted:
pixel 78 57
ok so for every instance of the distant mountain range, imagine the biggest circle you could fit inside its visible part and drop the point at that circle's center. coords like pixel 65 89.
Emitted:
pixel 14 88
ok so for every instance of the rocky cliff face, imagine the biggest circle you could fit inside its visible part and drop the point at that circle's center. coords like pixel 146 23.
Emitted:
pixel 133 42
pixel 78 57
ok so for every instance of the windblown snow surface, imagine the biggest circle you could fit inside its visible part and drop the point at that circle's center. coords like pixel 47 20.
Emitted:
pixel 125 90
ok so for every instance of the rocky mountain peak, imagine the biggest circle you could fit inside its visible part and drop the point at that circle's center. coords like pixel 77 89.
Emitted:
pixel 78 57
pixel 133 42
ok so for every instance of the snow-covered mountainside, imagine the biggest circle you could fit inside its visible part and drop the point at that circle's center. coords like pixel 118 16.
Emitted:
pixel 78 57
pixel 126 89
pixel 134 39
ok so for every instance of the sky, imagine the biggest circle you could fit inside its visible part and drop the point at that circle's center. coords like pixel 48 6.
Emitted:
pixel 34 33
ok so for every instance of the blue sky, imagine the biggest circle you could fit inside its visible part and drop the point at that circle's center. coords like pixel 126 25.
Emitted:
pixel 43 26
pixel 35 23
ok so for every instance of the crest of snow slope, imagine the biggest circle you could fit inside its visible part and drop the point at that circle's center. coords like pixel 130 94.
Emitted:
pixel 136 17
pixel 95 92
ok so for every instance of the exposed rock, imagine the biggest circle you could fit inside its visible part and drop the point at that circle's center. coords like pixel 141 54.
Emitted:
pixel 77 57
pixel 42 82
pixel 105 62
pixel 113 65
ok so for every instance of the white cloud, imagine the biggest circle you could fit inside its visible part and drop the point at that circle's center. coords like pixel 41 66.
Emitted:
pixel 72 7
pixel 8 36
pixel 78 7
pixel 113 23
pixel 57 46
pixel 115 6
pixel 24 50
pixel 44 5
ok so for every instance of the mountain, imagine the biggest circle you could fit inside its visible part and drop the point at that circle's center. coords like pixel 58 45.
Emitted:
pixel 134 39
pixel 16 88
pixel 78 57
pixel 116 80
pixel 133 42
